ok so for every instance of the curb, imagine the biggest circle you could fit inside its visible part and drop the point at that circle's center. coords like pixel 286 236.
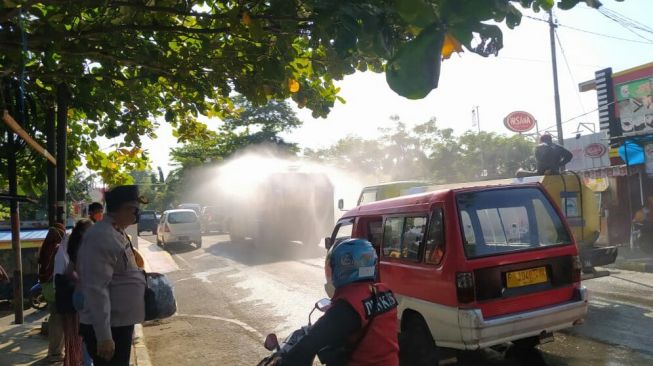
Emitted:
pixel 634 266
pixel 141 356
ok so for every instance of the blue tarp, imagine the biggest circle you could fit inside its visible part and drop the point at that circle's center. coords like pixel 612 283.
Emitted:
pixel 632 153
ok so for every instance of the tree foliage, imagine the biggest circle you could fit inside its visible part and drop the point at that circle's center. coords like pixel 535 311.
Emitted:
pixel 125 63
pixel 426 152
pixel 250 125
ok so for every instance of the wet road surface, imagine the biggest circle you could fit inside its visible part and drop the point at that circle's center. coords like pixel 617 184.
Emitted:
pixel 231 295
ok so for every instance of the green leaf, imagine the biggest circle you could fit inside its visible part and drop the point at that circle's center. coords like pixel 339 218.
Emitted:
pixel 416 12
pixel 415 70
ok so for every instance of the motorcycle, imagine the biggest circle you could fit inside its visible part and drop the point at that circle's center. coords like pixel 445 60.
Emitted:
pixel 36 298
pixel 643 236
pixel 278 349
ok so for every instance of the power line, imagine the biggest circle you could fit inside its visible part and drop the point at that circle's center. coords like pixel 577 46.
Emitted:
pixel 632 22
pixel 571 75
pixel 647 41
pixel 625 23
pixel 582 115
pixel 605 35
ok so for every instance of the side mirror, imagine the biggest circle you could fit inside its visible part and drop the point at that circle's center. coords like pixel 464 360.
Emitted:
pixel 323 305
pixel 341 204
pixel 328 243
pixel 271 342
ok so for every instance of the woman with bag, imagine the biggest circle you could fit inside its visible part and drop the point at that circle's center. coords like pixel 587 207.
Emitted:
pixel 65 282
pixel 47 252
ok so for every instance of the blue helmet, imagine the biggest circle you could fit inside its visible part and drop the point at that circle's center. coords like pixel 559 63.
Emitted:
pixel 350 261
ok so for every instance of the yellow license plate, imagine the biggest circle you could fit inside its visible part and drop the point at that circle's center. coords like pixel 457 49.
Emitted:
pixel 526 277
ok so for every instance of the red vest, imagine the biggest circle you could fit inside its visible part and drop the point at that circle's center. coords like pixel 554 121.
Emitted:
pixel 379 345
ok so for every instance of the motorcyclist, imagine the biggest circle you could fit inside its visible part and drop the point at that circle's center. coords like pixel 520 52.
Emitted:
pixel 551 157
pixel 360 328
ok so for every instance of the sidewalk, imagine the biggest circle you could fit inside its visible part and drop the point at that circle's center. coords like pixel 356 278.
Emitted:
pixel 633 260
pixel 24 345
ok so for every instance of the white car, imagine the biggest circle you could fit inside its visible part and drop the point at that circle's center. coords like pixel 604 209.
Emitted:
pixel 179 226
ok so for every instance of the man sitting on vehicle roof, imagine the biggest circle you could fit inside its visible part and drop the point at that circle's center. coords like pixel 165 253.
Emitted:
pixel 551 158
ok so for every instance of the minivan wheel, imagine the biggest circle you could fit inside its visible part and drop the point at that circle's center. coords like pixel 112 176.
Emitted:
pixel 526 343
pixel 416 345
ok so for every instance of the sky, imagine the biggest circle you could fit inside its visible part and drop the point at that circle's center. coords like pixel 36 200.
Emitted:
pixel 519 78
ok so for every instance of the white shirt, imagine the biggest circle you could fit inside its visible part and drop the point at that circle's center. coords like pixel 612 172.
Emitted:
pixel 61 259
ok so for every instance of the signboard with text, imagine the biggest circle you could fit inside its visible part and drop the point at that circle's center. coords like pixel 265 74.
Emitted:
pixel 519 121
pixel 590 152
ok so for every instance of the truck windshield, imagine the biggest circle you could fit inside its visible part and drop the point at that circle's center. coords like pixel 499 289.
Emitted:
pixel 509 220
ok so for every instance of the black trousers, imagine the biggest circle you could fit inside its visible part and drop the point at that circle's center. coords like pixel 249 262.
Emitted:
pixel 122 337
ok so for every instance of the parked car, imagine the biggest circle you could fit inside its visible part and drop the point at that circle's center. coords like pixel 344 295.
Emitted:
pixel 474 266
pixel 191 206
pixel 212 219
pixel 147 222
pixel 179 226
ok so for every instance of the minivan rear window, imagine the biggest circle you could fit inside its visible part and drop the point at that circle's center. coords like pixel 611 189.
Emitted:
pixel 508 220
pixel 182 217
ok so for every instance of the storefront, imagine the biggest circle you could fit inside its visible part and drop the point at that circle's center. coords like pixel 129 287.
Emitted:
pixel 625 104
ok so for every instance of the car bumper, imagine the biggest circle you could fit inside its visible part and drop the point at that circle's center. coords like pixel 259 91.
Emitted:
pixel 478 333
pixel 182 239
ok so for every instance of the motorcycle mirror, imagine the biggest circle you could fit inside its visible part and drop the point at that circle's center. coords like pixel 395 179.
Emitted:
pixel 323 305
pixel 328 243
pixel 271 342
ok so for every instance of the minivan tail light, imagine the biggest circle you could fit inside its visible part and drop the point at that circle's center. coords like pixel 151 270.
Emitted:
pixel 465 287
pixel 166 228
pixel 577 269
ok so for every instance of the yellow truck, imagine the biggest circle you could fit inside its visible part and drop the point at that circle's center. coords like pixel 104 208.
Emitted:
pixel 577 201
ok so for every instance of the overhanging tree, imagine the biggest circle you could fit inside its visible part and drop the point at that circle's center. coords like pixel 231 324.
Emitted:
pixel 125 63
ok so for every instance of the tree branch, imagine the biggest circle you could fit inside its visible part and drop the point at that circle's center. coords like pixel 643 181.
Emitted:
pixel 170 10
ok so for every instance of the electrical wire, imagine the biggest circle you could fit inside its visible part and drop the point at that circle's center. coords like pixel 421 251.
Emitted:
pixel 571 75
pixel 629 21
pixel 582 115
pixel 625 23
pixel 647 41
pixel 605 35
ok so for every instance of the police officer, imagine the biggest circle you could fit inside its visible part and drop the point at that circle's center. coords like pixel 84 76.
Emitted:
pixel 360 328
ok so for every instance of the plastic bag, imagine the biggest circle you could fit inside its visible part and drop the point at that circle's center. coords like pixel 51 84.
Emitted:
pixel 160 300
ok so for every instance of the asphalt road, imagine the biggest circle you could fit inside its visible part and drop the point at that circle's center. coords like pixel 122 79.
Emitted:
pixel 231 295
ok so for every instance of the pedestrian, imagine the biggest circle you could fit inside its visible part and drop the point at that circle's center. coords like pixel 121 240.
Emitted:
pixel 95 211
pixel 46 255
pixel 551 158
pixel 66 278
pixel 360 328
pixel 112 285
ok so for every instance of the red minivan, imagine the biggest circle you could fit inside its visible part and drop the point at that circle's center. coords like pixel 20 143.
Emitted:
pixel 474 266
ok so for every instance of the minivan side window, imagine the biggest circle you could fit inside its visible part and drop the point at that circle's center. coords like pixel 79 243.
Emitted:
pixel 414 230
pixel 403 237
pixel 392 231
pixel 435 246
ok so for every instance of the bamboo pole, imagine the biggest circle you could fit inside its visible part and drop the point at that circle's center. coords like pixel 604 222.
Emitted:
pixel 11 122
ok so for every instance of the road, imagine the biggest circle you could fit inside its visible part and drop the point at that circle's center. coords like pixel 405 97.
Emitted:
pixel 230 296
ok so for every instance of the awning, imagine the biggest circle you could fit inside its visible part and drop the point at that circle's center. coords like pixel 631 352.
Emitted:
pixel 611 171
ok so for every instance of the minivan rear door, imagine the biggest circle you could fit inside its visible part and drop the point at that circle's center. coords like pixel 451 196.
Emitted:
pixel 517 246
pixel 183 222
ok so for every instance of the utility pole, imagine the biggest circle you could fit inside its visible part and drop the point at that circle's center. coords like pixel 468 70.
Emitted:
pixel 62 129
pixel 52 170
pixel 554 63
pixel 476 120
